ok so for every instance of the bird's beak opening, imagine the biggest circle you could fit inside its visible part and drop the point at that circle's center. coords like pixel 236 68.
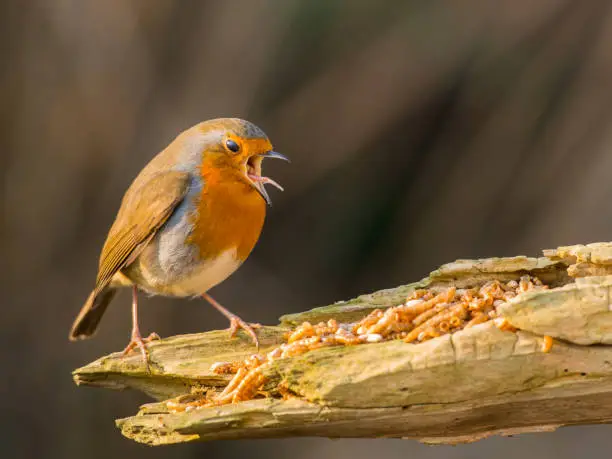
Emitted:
pixel 254 173
pixel 275 154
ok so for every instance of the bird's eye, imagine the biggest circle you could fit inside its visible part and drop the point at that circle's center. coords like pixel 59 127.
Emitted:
pixel 232 146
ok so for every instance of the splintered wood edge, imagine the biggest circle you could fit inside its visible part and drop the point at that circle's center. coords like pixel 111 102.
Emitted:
pixel 537 410
pixel 177 363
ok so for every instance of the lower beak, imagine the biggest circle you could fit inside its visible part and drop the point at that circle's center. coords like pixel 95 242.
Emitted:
pixel 264 194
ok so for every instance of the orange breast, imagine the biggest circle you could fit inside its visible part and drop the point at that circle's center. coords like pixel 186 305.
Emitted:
pixel 230 214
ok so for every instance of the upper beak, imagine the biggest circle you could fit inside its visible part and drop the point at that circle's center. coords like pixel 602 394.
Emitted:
pixel 274 154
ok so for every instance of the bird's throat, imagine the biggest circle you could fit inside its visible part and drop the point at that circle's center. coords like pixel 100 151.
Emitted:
pixel 229 214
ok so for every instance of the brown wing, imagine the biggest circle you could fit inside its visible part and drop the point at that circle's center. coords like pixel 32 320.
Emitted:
pixel 143 211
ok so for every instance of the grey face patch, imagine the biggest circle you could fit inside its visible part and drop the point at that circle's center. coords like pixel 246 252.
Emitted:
pixel 194 145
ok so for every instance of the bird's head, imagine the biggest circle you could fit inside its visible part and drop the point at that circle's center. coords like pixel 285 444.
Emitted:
pixel 236 145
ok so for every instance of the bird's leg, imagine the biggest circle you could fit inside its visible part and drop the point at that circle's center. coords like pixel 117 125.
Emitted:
pixel 235 321
pixel 137 339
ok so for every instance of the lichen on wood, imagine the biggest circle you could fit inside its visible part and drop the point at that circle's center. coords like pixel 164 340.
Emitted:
pixel 463 386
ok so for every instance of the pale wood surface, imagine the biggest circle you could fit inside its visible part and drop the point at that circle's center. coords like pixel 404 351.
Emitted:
pixel 462 387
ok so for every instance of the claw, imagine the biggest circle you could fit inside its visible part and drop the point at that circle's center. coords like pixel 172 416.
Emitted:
pixel 235 321
pixel 141 343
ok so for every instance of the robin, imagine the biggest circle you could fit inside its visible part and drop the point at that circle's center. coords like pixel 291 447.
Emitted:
pixel 186 223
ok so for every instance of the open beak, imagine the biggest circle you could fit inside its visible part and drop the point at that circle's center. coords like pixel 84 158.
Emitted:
pixel 254 173
pixel 274 154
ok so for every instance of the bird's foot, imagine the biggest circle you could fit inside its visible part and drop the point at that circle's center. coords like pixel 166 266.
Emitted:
pixel 237 323
pixel 141 343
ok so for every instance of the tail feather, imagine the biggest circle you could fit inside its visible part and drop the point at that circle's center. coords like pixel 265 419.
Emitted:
pixel 92 311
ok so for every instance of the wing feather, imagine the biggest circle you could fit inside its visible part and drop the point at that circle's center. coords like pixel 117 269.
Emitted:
pixel 143 211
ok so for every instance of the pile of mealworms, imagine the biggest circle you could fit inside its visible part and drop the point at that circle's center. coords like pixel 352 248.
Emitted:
pixel 426 314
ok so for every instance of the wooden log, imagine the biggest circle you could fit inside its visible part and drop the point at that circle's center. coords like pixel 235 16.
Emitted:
pixel 459 387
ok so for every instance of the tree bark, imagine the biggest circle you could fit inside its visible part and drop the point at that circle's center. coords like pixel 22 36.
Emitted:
pixel 459 387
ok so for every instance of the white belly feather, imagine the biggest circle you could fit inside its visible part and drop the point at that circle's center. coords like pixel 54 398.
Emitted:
pixel 189 281
pixel 207 275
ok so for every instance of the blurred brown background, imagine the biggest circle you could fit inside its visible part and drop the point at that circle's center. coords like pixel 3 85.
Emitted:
pixel 419 131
